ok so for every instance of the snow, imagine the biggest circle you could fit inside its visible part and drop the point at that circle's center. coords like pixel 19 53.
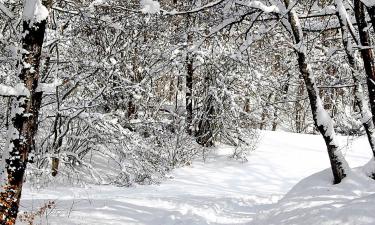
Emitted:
pixel 224 191
pixel 315 201
pixel 98 3
pixel 197 9
pixel 34 11
pixel 323 119
pixel 368 3
pixel 150 6
pixel 264 8
pixel 18 90
pixel 342 13
pixel 49 88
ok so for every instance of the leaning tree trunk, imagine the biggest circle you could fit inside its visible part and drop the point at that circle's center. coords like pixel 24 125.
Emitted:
pixel 24 113
pixel 322 120
pixel 358 96
pixel 366 52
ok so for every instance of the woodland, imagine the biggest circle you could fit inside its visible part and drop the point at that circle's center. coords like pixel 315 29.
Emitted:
pixel 121 93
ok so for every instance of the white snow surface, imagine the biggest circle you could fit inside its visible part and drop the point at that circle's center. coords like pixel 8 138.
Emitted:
pixel 315 201
pixel 225 191
pixel 150 6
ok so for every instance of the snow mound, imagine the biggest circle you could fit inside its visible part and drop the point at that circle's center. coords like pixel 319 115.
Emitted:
pixel 315 200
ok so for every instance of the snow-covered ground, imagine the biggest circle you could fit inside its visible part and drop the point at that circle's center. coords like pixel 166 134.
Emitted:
pixel 219 191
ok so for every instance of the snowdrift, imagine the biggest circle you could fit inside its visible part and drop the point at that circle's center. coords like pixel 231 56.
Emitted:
pixel 315 200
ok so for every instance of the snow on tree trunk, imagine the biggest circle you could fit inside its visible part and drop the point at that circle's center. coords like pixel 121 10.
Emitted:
pixel 24 112
pixel 366 116
pixel 366 52
pixel 322 120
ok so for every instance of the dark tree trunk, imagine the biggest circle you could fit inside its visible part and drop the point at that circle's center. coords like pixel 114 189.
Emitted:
pixel 299 111
pixel 265 113
pixel 337 161
pixel 189 94
pixel 275 118
pixel 131 109
pixel 358 97
pixel 371 12
pixel 207 123
pixel 366 52
pixel 189 82
pixel 23 126
pixel 204 133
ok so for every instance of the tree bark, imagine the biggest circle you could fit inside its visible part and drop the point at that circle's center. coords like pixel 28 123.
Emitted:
pixel 321 118
pixel 23 125
pixel 371 12
pixel 299 110
pixel 265 113
pixel 207 123
pixel 189 81
pixel 366 52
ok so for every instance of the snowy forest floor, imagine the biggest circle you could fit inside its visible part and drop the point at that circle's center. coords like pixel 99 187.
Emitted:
pixel 219 191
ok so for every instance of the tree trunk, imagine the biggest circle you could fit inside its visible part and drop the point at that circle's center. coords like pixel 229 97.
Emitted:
pixel 265 113
pixel 24 117
pixel 189 81
pixel 206 125
pixel 358 96
pixel 275 117
pixel 57 143
pixel 299 110
pixel 371 12
pixel 322 120
pixel 366 52
pixel 136 78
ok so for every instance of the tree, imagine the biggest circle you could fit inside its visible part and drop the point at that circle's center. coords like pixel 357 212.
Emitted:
pixel 366 52
pixel 24 111
pixel 322 120
pixel 366 116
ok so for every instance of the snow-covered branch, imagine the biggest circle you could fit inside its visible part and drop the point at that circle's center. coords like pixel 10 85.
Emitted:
pixel 6 11
pixel 195 10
